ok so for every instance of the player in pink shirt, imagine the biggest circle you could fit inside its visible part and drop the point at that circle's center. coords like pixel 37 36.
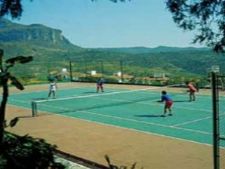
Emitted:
pixel 191 90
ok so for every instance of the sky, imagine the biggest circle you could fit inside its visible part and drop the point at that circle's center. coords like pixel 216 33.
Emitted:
pixel 102 23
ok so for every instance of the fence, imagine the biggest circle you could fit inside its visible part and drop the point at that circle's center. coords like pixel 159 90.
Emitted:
pixel 39 72
pixel 128 72
pixel 113 71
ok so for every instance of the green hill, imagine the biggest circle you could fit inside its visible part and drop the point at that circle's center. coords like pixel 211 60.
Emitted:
pixel 52 52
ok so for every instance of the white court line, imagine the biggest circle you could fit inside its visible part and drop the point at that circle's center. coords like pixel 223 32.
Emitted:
pixel 85 96
pixel 130 129
pixel 155 124
pixel 153 100
pixel 44 90
pixel 197 120
pixel 149 103
pixel 193 121
pixel 148 123
pixel 137 121
pixel 173 126
pixel 132 120
pixel 81 96
pixel 143 122
pixel 136 130
pixel 98 94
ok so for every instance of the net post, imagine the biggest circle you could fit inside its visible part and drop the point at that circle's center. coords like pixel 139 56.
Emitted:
pixel 34 108
pixel 215 106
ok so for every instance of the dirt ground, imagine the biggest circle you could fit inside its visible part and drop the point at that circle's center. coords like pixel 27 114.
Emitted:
pixel 92 141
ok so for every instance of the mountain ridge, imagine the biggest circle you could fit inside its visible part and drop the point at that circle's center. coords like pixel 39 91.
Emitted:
pixel 142 49
pixel 35 33
pixel 39 34
pixel 37 40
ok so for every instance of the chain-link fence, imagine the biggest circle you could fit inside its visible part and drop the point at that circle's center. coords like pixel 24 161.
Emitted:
pixel 128 72
pixel 39 72
pixel 113 71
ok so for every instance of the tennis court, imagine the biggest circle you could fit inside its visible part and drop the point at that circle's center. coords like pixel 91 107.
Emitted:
pixel 132 109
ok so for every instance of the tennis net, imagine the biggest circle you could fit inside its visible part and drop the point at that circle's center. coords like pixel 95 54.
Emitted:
pixel 93 101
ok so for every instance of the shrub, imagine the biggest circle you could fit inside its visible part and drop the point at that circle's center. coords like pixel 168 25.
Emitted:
pixel 25 152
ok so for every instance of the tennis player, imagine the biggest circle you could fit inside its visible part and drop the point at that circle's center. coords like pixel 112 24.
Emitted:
pixel 191 90
pixel 100 84
pixel 168 103
pixel 52 89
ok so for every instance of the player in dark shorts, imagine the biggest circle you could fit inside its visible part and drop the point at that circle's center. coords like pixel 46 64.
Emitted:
pixel 168 103
pixel 100 83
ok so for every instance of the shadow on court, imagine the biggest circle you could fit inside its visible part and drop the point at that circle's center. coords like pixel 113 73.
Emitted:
pixel 149 115
pixel 42 98
pixel 176 101
pixel 180 101
pixel 90 92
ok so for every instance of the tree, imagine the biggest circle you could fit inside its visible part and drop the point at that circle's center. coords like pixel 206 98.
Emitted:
pixel 20 151
pixel 206 17
pixel 12 7
pixel 25 152
pixel 5 77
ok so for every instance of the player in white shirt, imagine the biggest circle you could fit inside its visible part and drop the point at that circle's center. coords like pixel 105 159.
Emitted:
pixel 52 89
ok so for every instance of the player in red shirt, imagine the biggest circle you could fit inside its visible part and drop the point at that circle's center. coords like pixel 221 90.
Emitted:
pixel 191 90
